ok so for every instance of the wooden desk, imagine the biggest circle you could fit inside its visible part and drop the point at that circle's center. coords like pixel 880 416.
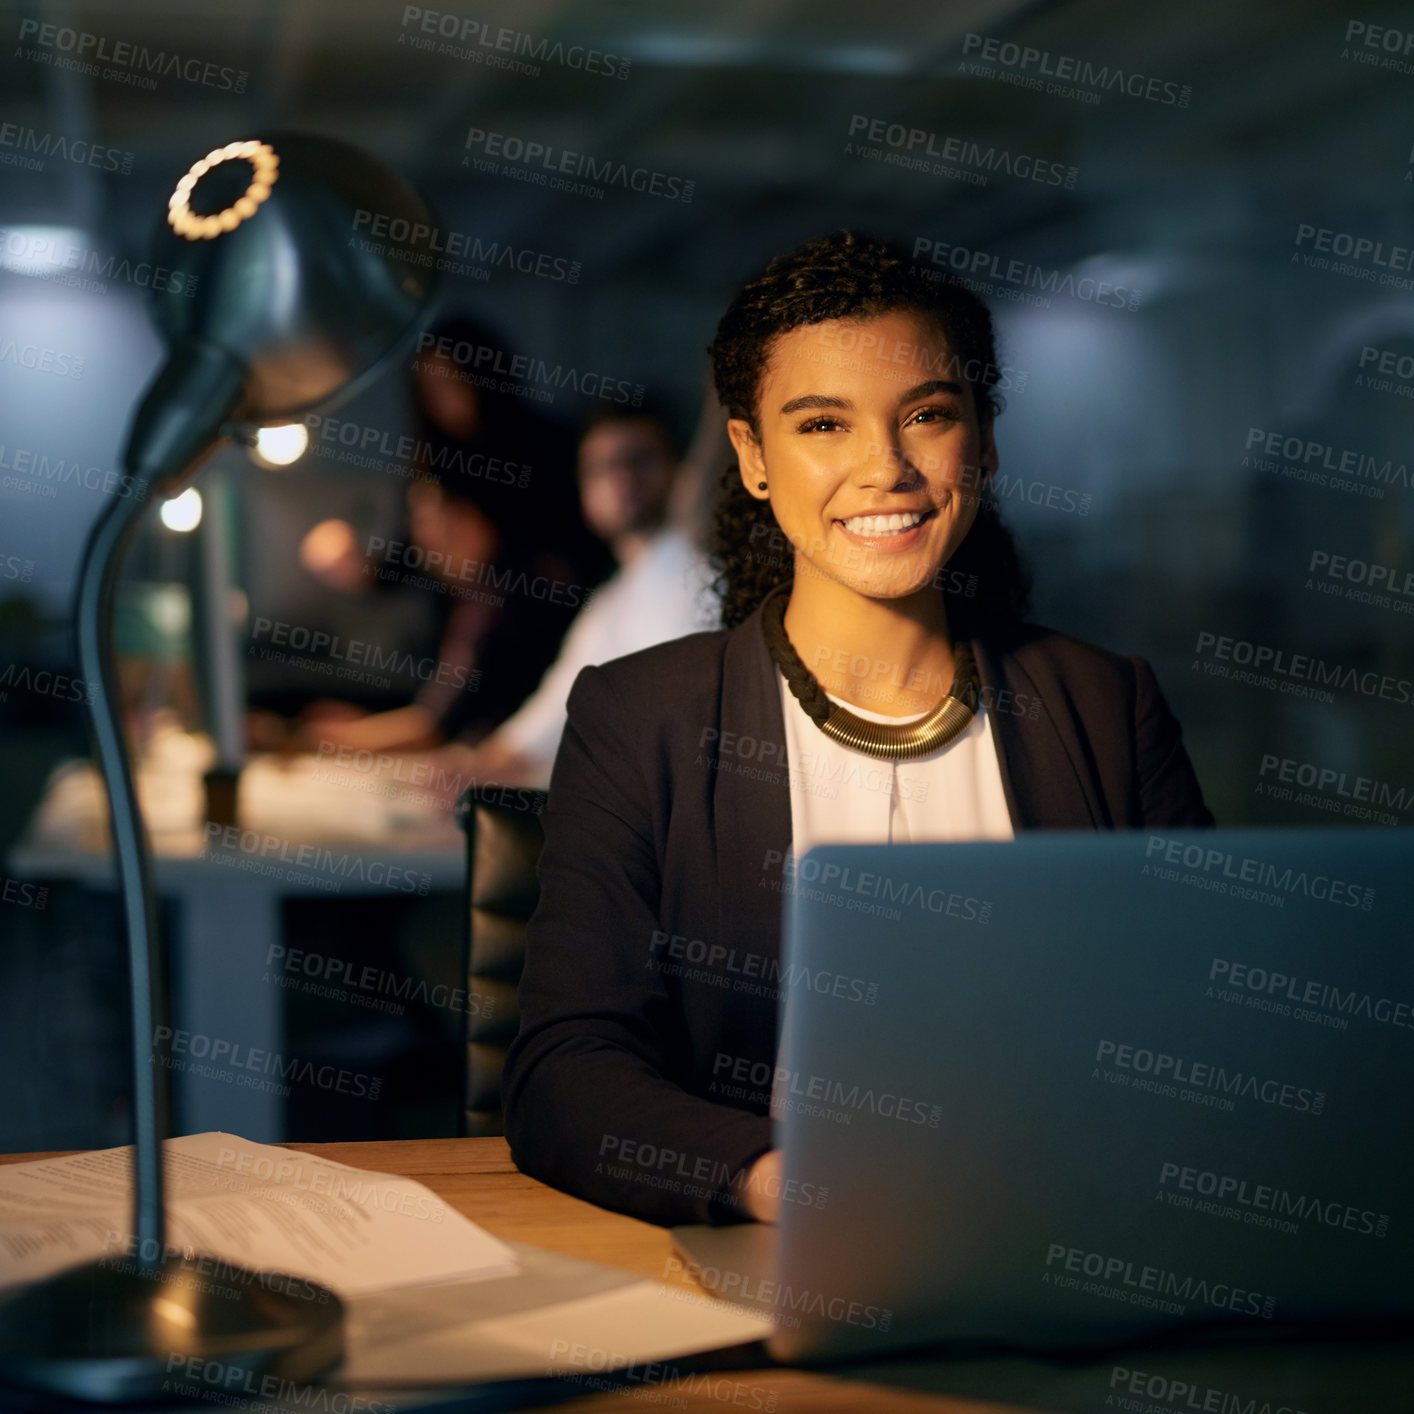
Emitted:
pixel 477 1178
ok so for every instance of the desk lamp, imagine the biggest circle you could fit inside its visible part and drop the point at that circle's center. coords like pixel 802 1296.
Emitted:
pixel 292 309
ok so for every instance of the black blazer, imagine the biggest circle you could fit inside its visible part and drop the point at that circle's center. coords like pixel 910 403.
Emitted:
pixel 640 1079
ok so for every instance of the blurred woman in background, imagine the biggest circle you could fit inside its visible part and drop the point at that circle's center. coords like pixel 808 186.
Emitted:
pixel 494 528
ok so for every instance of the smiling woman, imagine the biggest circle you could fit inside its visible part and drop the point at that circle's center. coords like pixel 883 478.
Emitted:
pixel 875 683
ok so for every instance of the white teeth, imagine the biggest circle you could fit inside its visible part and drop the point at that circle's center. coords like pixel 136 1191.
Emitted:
pixel 883 525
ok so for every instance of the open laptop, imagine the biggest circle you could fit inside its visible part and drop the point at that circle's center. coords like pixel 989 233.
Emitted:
pixel 1096 1086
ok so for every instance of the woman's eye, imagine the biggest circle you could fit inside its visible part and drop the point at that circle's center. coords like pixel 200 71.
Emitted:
pixel 820 424
pixel 935 414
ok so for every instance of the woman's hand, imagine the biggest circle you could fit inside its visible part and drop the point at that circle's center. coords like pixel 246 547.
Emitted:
pixel 759 1193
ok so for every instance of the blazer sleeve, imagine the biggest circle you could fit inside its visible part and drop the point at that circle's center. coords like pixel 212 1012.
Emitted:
pixel 589 1106
pixel 1169 795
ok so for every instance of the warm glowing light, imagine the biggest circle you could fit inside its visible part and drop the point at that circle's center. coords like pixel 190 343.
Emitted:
pixel 178 1315
pixel 183 513
pixel 185 222
pixel 280 446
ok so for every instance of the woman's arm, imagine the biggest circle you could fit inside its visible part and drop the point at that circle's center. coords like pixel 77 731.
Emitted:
pixel 588 1104
pixel 1169 793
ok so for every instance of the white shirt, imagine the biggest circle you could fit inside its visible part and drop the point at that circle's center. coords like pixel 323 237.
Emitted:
pixel 661 594
pixel 842 796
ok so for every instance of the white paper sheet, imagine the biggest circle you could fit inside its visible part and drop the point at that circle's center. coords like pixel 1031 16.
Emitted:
pixel 591 1330
pixel 256 1206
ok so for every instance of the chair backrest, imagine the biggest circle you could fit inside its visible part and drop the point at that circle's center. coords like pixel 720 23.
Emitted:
pixel 503 840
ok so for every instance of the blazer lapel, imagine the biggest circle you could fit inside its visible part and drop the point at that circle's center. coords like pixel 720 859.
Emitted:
pixel 751 794
pixel 1037 749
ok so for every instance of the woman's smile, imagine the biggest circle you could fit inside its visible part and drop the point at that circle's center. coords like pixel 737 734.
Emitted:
pixel 887 531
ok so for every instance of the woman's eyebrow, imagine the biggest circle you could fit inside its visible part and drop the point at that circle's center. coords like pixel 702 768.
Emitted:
pixel 934 385
pixel 815 400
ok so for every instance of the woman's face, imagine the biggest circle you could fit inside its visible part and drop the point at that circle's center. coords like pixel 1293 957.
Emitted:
pixel 861 419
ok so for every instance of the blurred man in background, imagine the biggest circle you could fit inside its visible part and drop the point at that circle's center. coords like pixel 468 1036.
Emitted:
pixel 642 499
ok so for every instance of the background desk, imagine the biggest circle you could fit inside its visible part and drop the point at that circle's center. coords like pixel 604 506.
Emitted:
pixel 477 1177
pixel 228 902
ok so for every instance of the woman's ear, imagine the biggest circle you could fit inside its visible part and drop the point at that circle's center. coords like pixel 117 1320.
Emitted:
pixel 749 458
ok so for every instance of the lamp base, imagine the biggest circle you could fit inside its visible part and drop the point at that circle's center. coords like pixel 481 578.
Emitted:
pixel 117 1330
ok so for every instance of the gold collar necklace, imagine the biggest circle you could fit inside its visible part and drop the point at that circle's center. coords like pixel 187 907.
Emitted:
pixel 892 741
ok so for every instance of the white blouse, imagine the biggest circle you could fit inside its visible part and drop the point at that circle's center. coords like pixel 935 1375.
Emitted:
pixel 842 796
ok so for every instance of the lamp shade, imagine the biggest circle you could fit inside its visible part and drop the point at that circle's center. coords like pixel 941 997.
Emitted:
pixel 273 261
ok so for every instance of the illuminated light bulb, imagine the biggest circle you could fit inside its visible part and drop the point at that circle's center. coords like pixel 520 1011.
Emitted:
pixel 182 513
pixel 280 446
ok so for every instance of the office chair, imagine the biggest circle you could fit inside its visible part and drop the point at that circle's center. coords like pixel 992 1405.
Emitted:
pixel 503 841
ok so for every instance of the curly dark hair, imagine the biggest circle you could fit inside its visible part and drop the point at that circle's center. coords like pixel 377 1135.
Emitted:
pixel 847 275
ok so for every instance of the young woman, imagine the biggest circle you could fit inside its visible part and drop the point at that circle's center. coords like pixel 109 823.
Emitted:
pixel 874 682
